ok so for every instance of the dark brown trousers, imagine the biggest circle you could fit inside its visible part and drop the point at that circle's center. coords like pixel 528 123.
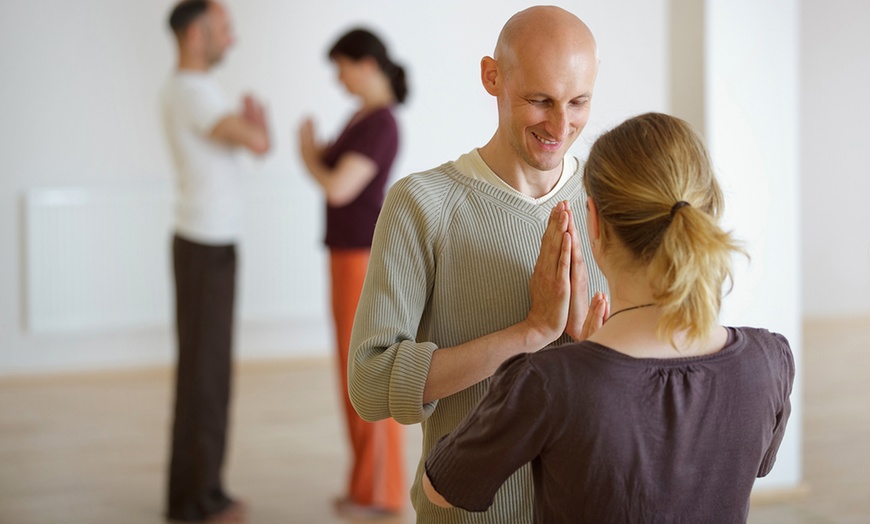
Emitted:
pixel 205 281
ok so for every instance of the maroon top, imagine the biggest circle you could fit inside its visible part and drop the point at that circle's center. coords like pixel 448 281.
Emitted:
pixel 613 438
pixel 376 136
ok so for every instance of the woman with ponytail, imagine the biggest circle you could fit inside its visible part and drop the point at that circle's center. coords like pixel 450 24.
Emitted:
pixel 661 414
pixel 353 172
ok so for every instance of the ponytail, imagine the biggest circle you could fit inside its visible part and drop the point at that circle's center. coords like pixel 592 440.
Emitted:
pixel 396 74
pixel 689 268
pixel 655 190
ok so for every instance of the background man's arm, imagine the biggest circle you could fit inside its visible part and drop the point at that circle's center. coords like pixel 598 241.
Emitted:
pixel 247 129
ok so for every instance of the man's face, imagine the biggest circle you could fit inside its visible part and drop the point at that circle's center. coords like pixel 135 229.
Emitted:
pixel 544 105
pixel 217 33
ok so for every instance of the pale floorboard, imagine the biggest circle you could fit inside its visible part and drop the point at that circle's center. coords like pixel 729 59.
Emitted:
pixel 91 448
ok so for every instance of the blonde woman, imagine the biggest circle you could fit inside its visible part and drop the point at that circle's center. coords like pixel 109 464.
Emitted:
pixel 662 414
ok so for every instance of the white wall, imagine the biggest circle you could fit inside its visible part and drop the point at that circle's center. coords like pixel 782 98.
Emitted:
pixel 78 109
pixel 835 126
pixel 751 108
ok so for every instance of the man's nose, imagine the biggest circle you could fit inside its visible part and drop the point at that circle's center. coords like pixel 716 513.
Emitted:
pixel 558 123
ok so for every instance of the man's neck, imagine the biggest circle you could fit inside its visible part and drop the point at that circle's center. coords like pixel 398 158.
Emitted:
pixel 520 176
pixel 188 62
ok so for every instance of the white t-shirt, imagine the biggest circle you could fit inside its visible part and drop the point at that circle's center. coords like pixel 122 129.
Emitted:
pixel 473 166
pixel 208 208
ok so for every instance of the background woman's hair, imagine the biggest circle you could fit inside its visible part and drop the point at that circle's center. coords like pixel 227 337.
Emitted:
pixel 635 174
pixel 360 43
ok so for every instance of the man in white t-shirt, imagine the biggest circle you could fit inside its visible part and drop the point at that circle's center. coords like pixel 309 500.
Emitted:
pixel 205 134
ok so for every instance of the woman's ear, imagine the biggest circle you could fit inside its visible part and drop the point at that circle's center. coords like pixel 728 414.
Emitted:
pixel 592 222
pixel 369 63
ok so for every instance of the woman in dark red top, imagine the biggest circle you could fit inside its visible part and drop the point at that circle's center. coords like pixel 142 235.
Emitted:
pixel 353 173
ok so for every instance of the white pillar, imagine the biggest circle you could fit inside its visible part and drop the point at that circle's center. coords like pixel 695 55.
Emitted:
pixel 749 117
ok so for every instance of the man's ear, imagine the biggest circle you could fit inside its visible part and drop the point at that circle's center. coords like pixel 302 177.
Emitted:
pixel 193 35
pixel 489 75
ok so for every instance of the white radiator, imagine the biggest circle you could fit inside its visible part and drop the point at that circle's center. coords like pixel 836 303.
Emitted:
pixel 100 258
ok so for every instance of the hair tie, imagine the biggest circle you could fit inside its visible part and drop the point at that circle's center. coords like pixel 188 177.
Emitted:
pixel 677 206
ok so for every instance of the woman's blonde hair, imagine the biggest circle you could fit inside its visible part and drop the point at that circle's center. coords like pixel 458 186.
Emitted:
pixel 654 186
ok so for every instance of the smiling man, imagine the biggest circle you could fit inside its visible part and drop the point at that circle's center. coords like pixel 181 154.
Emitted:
pixel 482 258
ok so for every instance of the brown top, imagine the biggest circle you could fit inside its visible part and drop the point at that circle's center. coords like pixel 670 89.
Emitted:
pixel 612 438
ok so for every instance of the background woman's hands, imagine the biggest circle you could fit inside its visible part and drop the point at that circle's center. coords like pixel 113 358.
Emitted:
pixel 309 149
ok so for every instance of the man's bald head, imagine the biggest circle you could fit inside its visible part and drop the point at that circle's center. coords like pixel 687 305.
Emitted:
pixel 542 74
pixel 539 32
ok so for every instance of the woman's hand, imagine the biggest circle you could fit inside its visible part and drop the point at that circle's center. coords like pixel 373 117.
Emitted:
pixel 579 307
pixel 599 310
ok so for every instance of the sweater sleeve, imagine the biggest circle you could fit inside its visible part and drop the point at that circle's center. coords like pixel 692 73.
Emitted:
pixel 388 367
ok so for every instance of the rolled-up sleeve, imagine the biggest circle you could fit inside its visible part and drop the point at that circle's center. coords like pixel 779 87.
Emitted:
pixel 388 366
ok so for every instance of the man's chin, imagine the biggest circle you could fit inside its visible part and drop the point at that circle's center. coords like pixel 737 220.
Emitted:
pixel 548 163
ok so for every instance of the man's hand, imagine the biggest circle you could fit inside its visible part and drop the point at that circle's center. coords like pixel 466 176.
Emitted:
pixel 248 128
pixel 254 112
pixel 550 285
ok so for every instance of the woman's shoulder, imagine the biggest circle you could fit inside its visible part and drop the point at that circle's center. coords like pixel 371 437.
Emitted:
pixel 759 337
pixel 380 118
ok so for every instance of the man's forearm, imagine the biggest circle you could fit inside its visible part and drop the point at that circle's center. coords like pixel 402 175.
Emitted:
pixel 459 367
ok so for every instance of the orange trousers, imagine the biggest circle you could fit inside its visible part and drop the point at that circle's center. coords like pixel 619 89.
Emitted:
pixel 377 475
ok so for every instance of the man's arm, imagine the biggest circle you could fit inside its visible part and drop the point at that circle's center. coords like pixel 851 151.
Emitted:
pixel 391 374
pixel 247 129
pixel 456 368
pixel 387 365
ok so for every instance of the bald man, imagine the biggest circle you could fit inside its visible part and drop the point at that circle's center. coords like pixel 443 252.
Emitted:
pixel 482 258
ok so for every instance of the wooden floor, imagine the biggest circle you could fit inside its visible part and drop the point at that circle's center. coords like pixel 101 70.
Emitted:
pixel 91 448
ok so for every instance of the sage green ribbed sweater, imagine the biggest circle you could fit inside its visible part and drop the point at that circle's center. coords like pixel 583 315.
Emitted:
pixel 451 261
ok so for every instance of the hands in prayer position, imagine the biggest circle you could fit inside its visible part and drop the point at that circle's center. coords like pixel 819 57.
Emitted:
pixel 558 286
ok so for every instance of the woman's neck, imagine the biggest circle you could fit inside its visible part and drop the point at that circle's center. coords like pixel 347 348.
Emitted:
pixel 373 102
pixel 628 289
pixel 635 314
pixel 377 94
